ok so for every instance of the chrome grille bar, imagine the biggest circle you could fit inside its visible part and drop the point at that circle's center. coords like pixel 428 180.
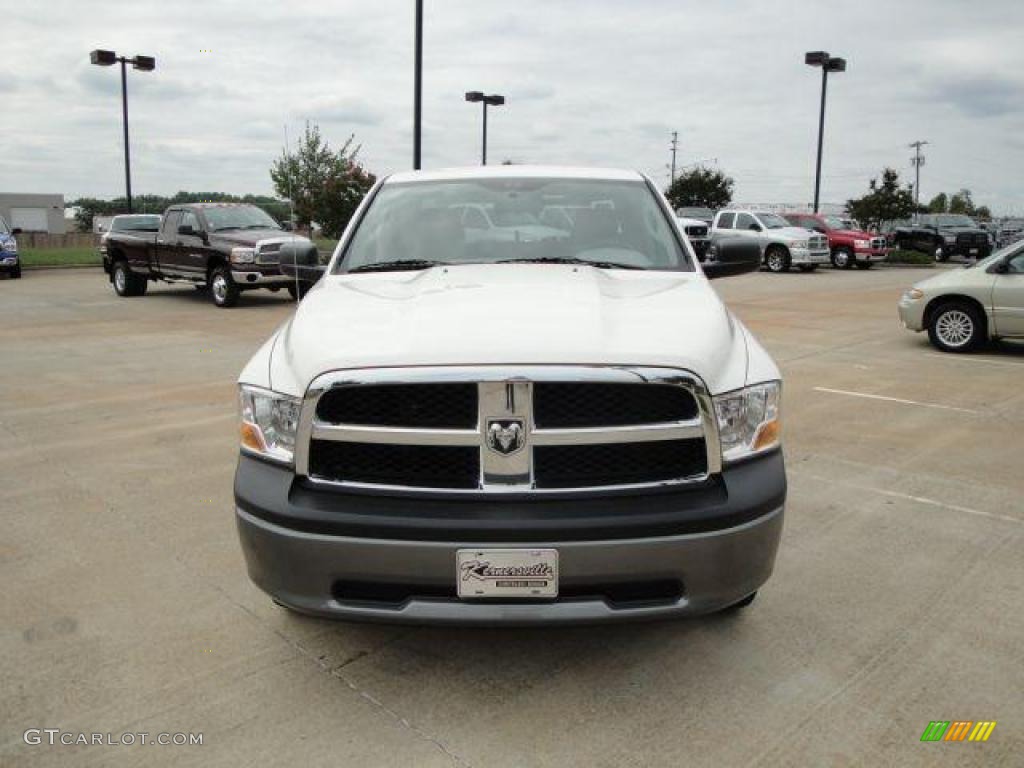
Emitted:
pixel 506 393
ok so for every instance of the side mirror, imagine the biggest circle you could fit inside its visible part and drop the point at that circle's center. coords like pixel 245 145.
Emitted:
pixel 288 226
pixel 16 231
pixel 755 227
pixel 301 259
pixel 734 256
pixel 186 229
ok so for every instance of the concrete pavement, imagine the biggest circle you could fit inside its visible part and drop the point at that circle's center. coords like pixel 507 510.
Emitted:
pixel 126 607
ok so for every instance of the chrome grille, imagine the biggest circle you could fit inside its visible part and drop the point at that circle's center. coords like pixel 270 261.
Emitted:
pixel 695 230
pixel 268 252
pixel 878 242
pixel 535 429
pixel 817 242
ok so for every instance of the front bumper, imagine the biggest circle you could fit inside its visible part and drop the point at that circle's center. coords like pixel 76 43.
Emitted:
pixel 872 255
pixel 805 256
pixel 306 548
pixel 911 312
pixel 255 279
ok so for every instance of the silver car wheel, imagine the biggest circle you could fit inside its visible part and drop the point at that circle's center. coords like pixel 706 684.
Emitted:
pixel 775 262
pixel 220 289
pixel 954 328
pixel 120 279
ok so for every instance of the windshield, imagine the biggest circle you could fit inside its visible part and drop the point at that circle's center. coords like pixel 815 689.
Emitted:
pixel 418 224
pixel 772 221
pixel 954 220
pixel 142 223
pixel 238 217
pixel 695 213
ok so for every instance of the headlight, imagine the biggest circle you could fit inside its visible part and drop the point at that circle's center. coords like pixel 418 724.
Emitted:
pixel 798 244
pixel 269 422
pixel 11 246
pixel 748 420
pixel 243 255
pixel 913 294
pixel 862 244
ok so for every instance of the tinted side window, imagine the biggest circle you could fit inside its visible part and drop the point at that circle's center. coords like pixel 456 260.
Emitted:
pixel 725 220
pixel 189 219
pixel 1016 264
pixel 171 223
pixel 744 220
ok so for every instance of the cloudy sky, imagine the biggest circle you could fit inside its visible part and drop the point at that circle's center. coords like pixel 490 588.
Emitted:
pixel 590 82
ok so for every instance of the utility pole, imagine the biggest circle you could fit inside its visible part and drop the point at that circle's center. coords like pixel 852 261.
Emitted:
pixel 917 161
pixel 675 144
pixel 417 97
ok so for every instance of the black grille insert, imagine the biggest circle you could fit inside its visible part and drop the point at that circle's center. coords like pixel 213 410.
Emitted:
pixel 589 466
pixel 618 595
pixel 604 404
pixel 426 466
pixel 432 406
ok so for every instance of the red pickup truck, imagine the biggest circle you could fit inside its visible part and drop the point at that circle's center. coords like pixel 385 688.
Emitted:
pixel 847 244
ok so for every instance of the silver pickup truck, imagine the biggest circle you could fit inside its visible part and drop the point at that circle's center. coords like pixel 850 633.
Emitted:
pixel 782 244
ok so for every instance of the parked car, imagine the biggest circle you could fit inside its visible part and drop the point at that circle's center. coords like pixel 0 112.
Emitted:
pixel 10 261
pixel 963 308
pixel 848 244
pixel 225 247
pixel 782 245
pixel 559 431
pixel 1009 232
pixel 707 215
pixel 698 233
pixel 943 235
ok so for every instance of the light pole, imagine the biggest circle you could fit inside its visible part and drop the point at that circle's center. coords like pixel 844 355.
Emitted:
pixel 917 161
pixel 827 64
pixel 103 58
pixel 493 99
pixel 417 95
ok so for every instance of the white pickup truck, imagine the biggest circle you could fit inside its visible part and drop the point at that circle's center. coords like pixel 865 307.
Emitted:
pixel 782 245
pixel 525 429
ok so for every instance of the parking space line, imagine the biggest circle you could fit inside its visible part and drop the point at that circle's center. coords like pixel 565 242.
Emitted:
pixel 895 400
pixel 973 359
pixel 911 497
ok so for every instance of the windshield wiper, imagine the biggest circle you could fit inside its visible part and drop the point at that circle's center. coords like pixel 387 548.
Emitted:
pixel 224 229
pixel 560 260
pixel 397 266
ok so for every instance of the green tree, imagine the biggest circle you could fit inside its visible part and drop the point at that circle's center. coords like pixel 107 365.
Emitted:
pixel 961 202
pixel 939 203
pixel 324 185
pixel 887 201
pixel 983 212
pixel 703 187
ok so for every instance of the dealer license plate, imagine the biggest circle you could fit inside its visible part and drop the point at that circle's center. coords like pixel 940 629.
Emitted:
pixel 482 573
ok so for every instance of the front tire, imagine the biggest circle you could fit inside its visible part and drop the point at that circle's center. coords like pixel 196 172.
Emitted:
pixel 777 259
pixel 223 288
pixel 297 293
pixel 126 283
pixel 842 258
pixel 956 327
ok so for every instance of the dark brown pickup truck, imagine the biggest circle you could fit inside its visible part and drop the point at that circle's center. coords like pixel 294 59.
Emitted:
pixel 226 248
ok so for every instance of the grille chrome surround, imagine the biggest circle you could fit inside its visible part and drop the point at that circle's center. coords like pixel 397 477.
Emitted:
pixel 817 242
pixel 506 393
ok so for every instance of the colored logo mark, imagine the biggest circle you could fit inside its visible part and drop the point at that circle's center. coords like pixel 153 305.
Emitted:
pixel 958 730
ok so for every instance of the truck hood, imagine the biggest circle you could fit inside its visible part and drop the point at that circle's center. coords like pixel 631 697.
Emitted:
pixel 253 236
pixel 790 233
pixel 510 314
pixel 851 234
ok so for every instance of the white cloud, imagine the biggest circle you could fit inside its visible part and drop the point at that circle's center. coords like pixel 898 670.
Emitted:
pixel 587 81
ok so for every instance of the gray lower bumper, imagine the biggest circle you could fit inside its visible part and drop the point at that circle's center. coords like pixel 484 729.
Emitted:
pixel 716 569
pixel 243 278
